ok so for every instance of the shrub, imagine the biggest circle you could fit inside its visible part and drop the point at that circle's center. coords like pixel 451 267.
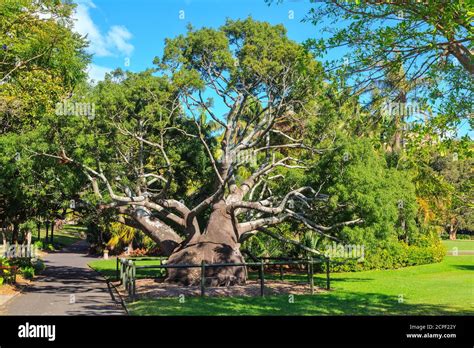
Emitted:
pixel 39 266
pixel 444 235
pixel 21 262
pixel 4 262
pixel 392 255
pixel 28 272
pixel 44 246
pixel 38 244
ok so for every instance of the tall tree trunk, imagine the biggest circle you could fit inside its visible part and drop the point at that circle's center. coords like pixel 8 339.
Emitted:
pixel 218 244
pixel 16 229
pixel 38 226
pixel 28 244
pixel 399 122
pixel 452 229
pixel 4 238
pixel 52 231
pixel 47 231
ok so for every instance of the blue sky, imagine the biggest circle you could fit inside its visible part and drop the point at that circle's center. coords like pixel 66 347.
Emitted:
pixel 129 34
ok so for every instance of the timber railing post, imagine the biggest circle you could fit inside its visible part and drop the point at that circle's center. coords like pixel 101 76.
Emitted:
pixel 328 281
pixel 122 273
pixel 307 268
pixel 262 279
pixel 128 272
pixel 130 278
pixel 311 275
pixel 133 285
pixel 124 266
pixel 203 277
pixel 117 275
pixel 127 276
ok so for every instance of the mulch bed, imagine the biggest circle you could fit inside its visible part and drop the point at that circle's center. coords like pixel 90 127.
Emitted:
pixel 152 288
pixel 12 289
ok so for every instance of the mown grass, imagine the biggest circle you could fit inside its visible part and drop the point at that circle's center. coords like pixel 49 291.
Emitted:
pixel 68 235
pixel 461 244
pixel 436 289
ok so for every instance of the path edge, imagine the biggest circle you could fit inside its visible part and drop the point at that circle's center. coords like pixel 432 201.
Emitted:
pixel 109 286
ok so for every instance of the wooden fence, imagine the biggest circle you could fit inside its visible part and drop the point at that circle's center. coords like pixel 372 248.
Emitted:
pixel 126 271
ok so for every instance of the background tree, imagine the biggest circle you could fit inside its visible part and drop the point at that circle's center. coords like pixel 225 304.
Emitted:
pixel 41 60
pixel 430 40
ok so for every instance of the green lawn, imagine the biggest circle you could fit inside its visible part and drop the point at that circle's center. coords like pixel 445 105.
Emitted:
pixel 68 235
pixel 108 268
pixel 435 289
pixel 461 244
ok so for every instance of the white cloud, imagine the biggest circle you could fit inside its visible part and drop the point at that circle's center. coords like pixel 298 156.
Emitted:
pixel 117 37
pixel 115 41
pixel 97 72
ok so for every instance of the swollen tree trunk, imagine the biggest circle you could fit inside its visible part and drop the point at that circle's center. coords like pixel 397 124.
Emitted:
pixel 218 244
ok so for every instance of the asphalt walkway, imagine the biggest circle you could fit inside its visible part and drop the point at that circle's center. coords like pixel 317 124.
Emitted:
pixel 66 287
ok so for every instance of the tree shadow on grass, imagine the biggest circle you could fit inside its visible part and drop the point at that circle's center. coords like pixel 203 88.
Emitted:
pixel 302 277
pixel 464 267
pixel 331 303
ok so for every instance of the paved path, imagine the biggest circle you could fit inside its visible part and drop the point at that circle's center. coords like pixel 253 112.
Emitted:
pixel 66 279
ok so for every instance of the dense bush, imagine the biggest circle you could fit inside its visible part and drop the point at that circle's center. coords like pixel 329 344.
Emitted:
pixel 4 262
pixel 38 244
pixel 28 272
pixel 393 255
pixel 27 267
pixel 39 266
pixel 21 262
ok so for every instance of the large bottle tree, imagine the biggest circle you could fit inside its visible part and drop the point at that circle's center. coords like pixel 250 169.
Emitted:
pixel 180 152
